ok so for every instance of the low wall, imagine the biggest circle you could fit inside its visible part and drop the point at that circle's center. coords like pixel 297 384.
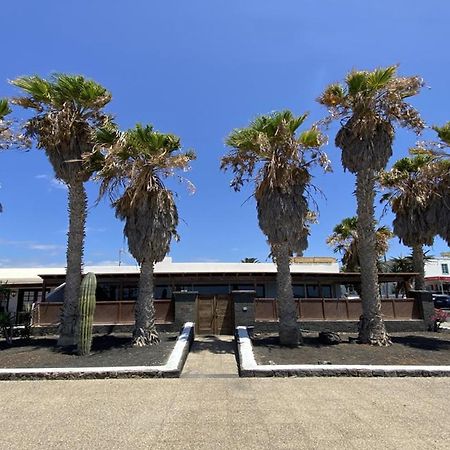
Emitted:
pixel 106 313
pixel 339 309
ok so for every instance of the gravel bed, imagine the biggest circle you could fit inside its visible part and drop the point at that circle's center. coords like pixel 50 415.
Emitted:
pixel 107 350
pixel 407 349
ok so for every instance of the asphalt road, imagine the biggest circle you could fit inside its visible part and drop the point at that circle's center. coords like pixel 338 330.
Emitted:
pixel 214 413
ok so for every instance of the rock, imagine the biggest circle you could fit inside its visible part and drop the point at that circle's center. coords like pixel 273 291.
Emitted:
pixel 329 338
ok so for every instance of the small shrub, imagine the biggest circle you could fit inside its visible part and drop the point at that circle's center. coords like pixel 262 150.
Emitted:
pixel 6 325
pixel 440 316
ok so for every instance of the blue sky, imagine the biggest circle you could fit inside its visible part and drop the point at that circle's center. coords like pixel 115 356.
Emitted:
pixel 200 69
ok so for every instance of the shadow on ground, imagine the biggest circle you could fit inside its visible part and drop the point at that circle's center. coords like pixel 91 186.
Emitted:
pixel 214 344
pixel 422 342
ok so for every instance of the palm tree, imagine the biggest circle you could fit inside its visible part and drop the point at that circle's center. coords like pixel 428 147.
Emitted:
pixel 4 111
pixel 278 161
pixel 345 240
pixel 369 105
pixel 439 208
pixel 132 173
pixel 67 110
pixel 411 186
pixel 4 128
pixel 250 260
pixel 403 264
pixel 443 133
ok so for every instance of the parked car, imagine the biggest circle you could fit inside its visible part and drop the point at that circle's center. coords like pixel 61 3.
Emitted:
pixel 441 300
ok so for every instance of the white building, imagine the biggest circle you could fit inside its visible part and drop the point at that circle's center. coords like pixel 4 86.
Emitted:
pixel 437 276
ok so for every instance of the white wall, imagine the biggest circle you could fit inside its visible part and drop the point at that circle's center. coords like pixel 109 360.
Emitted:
pixel 433 267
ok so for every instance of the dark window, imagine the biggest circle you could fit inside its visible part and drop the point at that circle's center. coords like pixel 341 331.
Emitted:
pixel 299 290
pixel 312 290
pixel 163 292
pixel 444 269
pixel 327 291
pixel 259 288
pixel 130 293
pixel 211 289
pixel 107 292
pixel 260 291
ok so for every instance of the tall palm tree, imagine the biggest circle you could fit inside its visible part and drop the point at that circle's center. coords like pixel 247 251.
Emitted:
pixel 439 209
pixel 369 105
pixel 278 161
pixel 4 128
pixel 67 110
pixel 132 173
pixel 345 240
pixel 411 186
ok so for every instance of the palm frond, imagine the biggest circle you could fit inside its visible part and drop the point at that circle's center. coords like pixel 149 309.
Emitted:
pixel 443 132
pixel 333 96
pixel 59 90
pixel 356 82
pixel 379 78
pixel 312 138
pixel 4 108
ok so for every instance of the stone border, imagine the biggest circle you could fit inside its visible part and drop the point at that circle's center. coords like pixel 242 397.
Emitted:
pixel 172 369
pixel 249 368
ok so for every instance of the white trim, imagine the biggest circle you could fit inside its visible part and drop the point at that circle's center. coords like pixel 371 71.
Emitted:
pixel 174 364
pixel 249 366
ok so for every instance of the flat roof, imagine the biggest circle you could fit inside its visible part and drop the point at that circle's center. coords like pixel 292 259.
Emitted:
pixel 35 276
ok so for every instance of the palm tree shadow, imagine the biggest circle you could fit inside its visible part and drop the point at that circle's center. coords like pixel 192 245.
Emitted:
pixel 422 342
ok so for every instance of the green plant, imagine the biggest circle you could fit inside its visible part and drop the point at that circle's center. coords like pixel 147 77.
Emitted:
pixel 6 325
pixel 440 316
pixel 86 313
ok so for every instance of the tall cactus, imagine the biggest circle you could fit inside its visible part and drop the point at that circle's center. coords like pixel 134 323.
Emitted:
pixel 86 313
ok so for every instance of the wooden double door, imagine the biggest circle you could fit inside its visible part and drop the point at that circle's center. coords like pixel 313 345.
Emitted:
pixel 215 314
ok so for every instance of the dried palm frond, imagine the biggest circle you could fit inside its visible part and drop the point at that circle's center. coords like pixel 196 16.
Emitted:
pixel 68 110
pixel 344 240
pixel 414 192
pixel 369 104
pixel 133 165
pixel 270 153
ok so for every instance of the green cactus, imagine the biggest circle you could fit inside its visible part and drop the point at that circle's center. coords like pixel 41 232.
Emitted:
pixel 86 313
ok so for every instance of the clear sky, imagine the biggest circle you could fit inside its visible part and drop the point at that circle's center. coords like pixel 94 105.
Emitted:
pixel 199 69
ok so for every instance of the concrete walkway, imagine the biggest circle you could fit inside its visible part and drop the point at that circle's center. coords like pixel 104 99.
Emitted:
pixel 211 357
pixel 226 413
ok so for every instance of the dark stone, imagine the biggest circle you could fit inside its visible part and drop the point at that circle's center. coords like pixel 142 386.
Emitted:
pixel 184 307
pixel 329 338
pixel 426 306
pixel 244 308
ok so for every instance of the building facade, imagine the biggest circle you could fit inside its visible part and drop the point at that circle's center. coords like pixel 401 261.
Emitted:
pixel 216 296
pixel 437 275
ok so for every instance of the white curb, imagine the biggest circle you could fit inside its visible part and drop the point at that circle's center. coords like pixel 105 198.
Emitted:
pixel 172 368
pixel 249 368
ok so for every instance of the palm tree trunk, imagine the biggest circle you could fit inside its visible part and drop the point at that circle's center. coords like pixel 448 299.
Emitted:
pixel 75 243
pixel 418 266
pixel 287 311
pixel 371 326
pixel 144 332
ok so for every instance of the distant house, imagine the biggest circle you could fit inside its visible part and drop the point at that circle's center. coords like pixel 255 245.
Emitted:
pixel 437 275
pixel 217 296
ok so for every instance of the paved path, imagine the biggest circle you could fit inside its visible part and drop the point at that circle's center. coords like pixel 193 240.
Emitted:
pixel 211 357
pixel 226 413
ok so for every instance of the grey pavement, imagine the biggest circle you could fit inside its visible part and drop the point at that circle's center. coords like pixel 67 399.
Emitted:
pixel 230 413
pixel 211 357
